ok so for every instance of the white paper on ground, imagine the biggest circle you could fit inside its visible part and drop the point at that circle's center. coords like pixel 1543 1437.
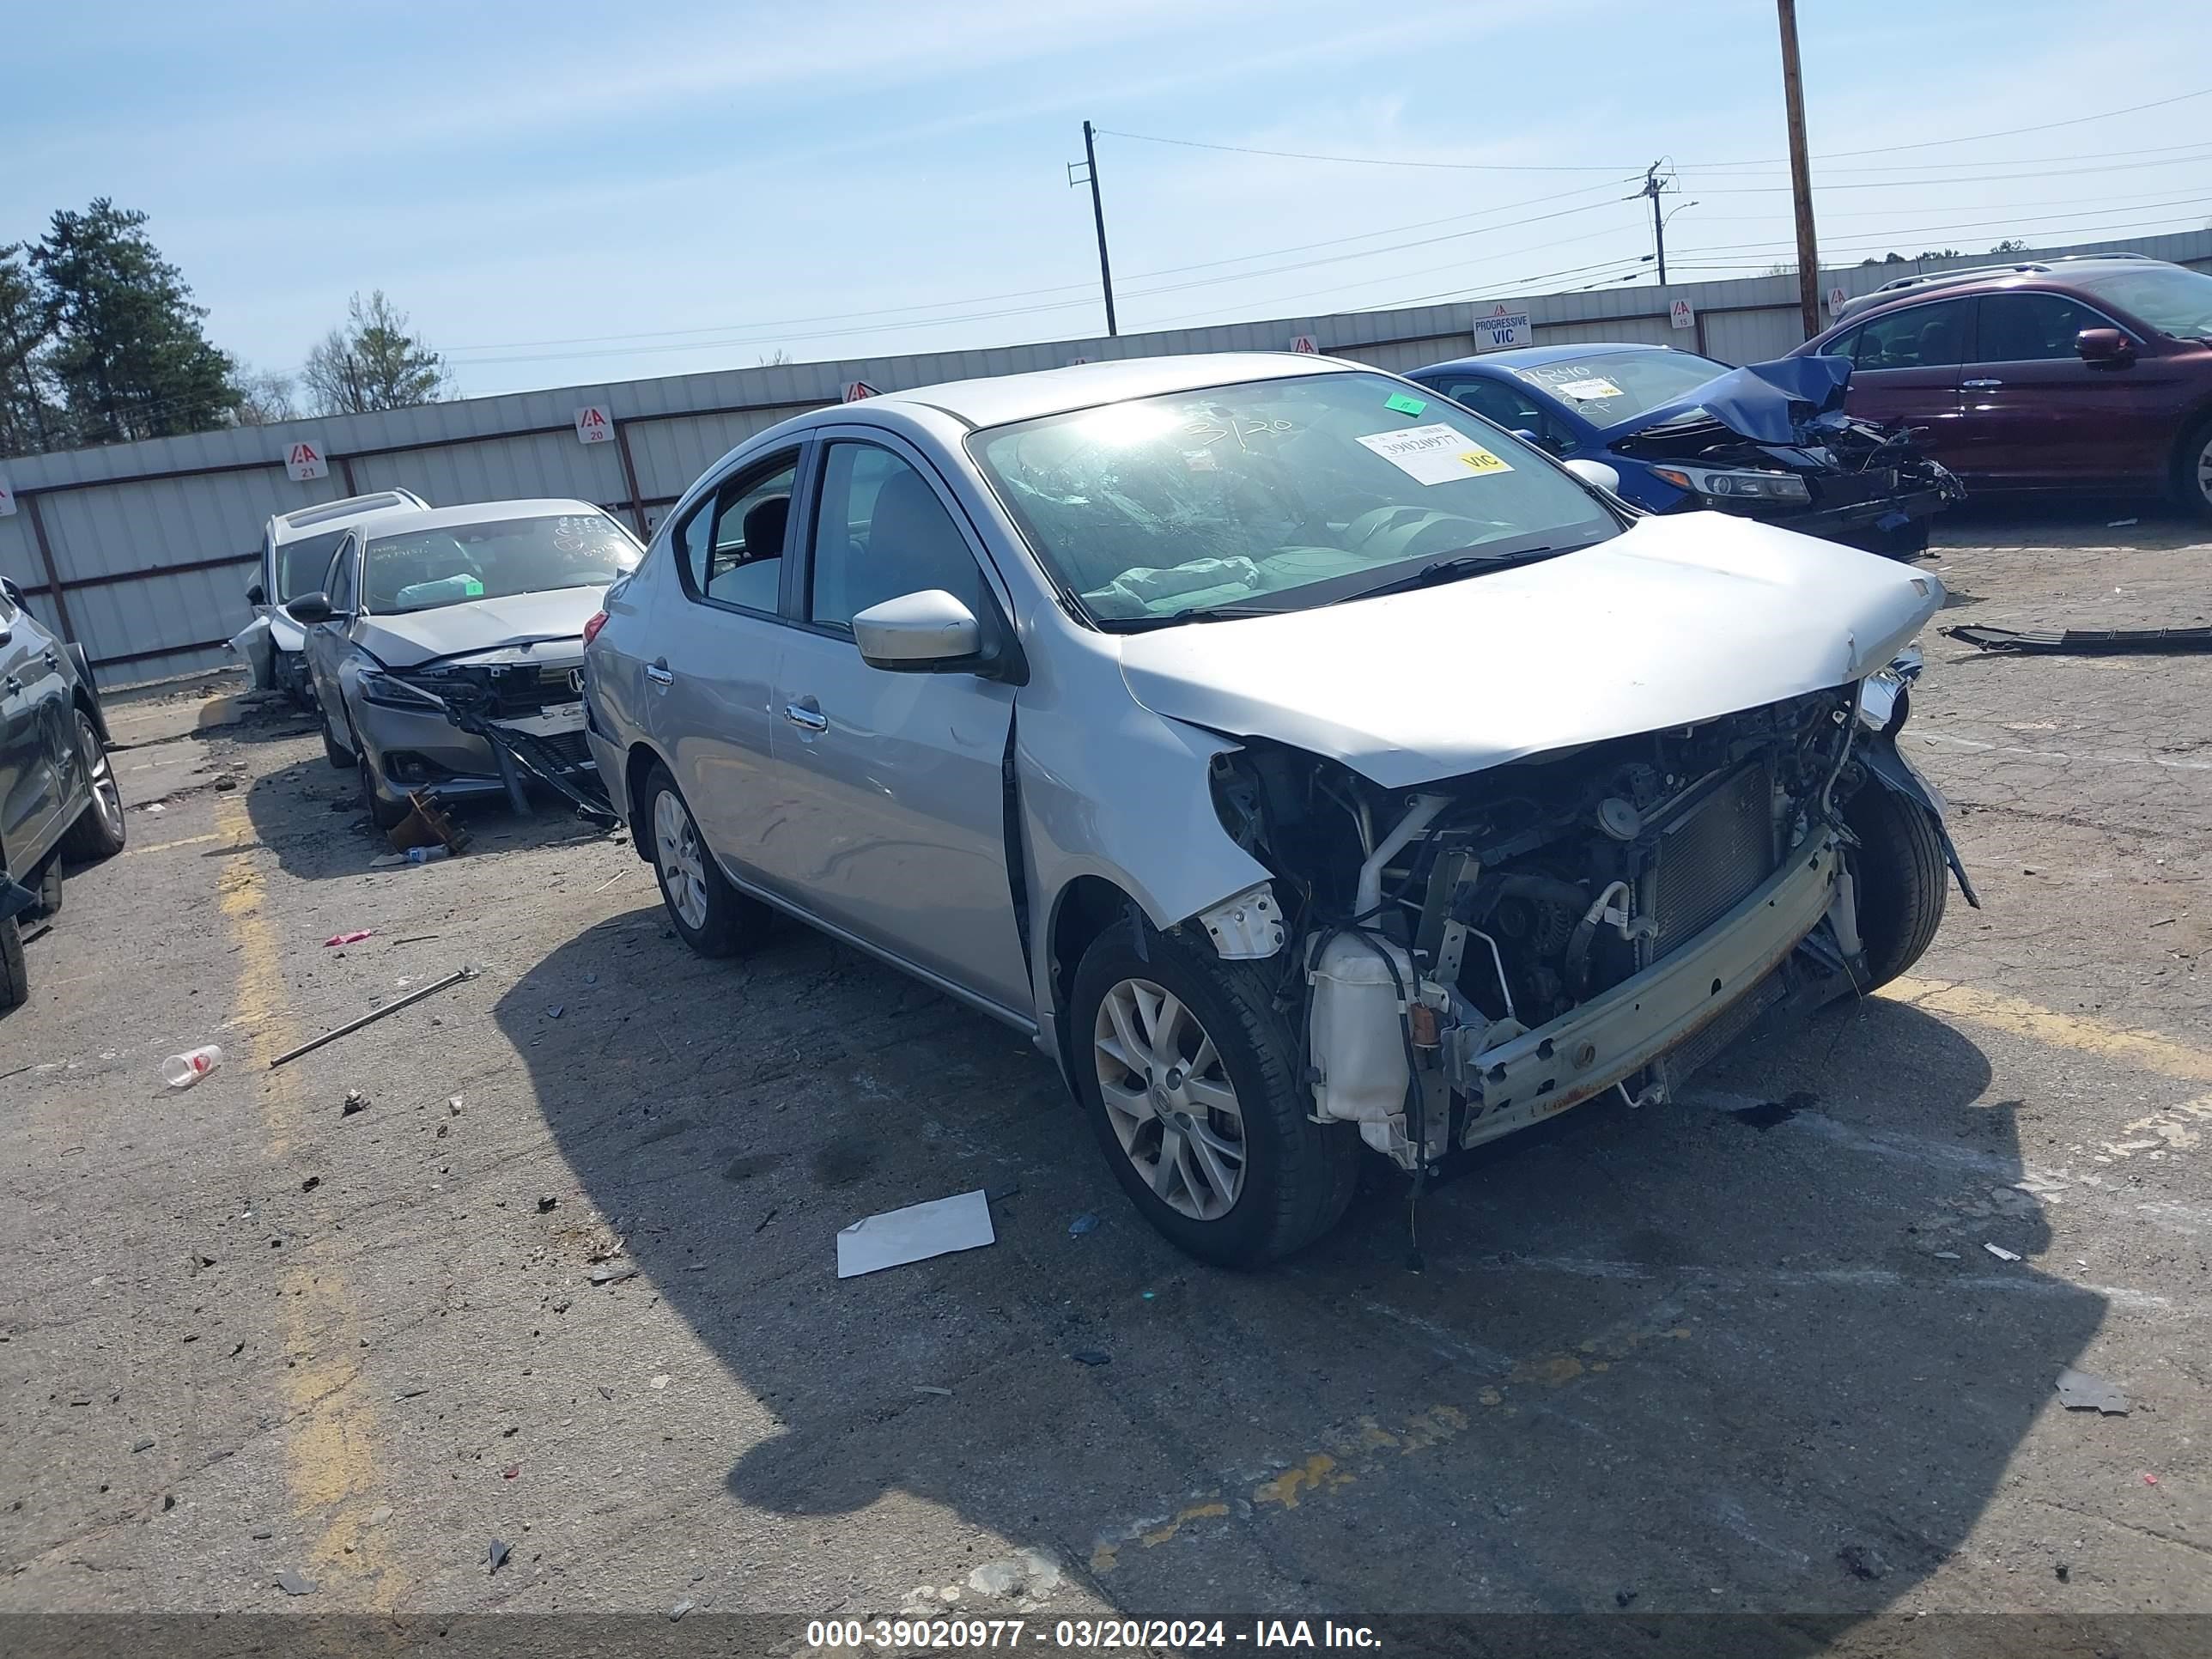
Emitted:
pixel 914 1233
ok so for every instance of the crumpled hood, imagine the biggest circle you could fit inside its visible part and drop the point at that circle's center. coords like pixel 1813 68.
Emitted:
pixel 1681 619
pixel 411 638
pixel 1775 402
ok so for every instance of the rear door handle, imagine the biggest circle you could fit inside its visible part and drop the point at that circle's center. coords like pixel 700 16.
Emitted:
pixel 807 719
pixel 659 675
pixel 1979 386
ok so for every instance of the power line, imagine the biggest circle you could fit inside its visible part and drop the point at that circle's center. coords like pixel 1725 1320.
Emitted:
pixel 1971 138
pixel 1348 160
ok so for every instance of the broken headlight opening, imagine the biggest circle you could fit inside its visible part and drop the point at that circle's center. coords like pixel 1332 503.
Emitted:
pixel 483 702
pixel 1491 949
pixel 1733 484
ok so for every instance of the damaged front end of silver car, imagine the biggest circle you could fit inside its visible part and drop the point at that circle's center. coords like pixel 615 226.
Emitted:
pixel 1479 953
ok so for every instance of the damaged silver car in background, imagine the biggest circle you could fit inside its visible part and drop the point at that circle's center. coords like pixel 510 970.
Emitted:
pixel 1300 761
pixel 448 650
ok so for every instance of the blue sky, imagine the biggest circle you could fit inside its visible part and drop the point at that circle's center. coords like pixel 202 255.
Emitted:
pixel 561 194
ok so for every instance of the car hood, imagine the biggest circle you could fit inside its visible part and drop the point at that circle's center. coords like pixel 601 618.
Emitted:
pixel 410 639
pixel 1679 618
pixel 1789 401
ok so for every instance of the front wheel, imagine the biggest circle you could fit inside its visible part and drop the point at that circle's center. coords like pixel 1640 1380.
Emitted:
pixel 1189 1075
pixel 1901 876
pixel 384 814
pixel 14 980
pixel 2192 471
pixel 99 830
pixel 715 919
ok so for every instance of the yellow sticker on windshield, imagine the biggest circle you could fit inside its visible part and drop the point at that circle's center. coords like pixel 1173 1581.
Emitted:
pixel 1479 460
pixel 1434 454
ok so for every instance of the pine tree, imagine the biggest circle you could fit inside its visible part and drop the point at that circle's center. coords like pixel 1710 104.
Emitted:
pixel 127 355
pixel 28 421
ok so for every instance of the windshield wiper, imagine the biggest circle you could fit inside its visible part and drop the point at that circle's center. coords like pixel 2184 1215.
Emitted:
pixel 1194 613
pixel 1455 566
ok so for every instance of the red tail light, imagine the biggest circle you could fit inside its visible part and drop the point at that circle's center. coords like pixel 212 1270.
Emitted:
pixel 592 627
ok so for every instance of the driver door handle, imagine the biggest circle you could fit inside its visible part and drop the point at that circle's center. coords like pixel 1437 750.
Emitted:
pixel 659 674
pixel 1978 385
pixel 807 719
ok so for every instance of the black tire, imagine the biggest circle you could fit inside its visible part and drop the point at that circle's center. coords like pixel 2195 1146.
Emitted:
pixel 48 887
pixel 14 978
pixel 1901 876
pixel 340 760
pixel 100 831
pixel 2192 470
pixel 1298 1175
pixel 382 813
pixel 730 921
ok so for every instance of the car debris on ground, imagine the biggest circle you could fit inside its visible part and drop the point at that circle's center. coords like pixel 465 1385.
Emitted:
pixel 2083 642
pixel 896 1237
pixel 2079 1391
pixel 375 1014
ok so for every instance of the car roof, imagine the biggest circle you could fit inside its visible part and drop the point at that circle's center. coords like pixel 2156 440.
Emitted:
pixel 2061 275
pixel 1007 397
pixel 1532 356
pixel 447 518
pixel 328 515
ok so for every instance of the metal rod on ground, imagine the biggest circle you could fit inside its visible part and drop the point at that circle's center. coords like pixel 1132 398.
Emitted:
pixel 1801 173
pixel 1099 217
pixel 373 1015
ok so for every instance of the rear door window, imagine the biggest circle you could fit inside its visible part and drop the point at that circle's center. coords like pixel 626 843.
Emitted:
pixel 2018 328
pixel 730 549
pixel 1920 336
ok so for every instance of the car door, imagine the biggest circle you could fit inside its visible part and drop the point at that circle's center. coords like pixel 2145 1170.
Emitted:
pixel 327 643
pixel 2038 417
pixel 26 767
pixel 890 820
pixel 711 671
pixel 1905 367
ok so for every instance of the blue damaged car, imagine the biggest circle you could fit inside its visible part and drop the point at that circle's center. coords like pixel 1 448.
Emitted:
pixel 1685 434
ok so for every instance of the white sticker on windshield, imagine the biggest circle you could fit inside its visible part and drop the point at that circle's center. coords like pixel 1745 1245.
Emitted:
pixel 1435 454
pixel 1589 390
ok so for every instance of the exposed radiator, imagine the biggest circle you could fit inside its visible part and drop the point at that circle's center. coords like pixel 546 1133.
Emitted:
pixel 1711 857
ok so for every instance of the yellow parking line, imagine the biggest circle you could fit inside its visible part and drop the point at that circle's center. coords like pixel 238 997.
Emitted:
pixel 330 1429
pixel 185 841
pixel 2145 1050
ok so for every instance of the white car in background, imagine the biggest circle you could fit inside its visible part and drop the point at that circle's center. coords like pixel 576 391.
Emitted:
pixel 295 550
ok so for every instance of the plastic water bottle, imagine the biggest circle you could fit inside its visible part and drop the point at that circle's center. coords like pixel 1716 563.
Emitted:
pixel 182 1071
pixel 427 854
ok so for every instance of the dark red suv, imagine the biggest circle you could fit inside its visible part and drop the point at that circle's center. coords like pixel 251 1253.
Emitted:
pixel 2088 374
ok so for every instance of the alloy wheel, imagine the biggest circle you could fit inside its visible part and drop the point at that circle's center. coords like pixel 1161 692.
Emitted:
pixel 1169 1100
pixel 107 797
pixel 682 862
pixel 2205 471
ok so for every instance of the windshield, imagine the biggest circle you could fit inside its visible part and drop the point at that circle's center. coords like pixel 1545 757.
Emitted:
pixel 2164 297
pixel 301 565
pixel 1608 387
pixel 1273 494
pixel 421 569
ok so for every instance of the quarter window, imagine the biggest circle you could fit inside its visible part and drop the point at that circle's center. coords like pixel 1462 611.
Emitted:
pixel 2016 328
pixel 731 547
pixel 882 531
pixel 1920 336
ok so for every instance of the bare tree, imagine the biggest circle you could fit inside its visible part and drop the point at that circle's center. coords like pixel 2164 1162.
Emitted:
pixel 374 361
pixel 265 399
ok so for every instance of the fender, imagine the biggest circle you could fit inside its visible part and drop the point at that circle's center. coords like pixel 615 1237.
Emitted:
pixel 1886 761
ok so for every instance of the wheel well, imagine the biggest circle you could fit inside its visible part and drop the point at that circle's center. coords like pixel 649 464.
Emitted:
pixel 90 710
pixel 641 760
pixel 1087 908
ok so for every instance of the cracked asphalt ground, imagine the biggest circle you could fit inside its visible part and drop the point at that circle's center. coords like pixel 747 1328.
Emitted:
pixel 1753 1352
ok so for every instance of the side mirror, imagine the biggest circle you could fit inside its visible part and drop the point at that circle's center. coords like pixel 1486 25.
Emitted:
pixel 13 592
pixel 309 609
pixel 257 594
pixel 1596 472
pixel 925 633
pixel 2103 345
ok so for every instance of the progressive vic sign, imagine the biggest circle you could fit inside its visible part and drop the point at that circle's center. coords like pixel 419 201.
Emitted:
pixel 1498 328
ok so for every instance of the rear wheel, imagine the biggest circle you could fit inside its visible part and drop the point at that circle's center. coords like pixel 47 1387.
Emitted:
pixel 2192 470
pixel 713 918
pixel 48 887
pixel 1901 876
pixel 1189 1075
pixel 99 830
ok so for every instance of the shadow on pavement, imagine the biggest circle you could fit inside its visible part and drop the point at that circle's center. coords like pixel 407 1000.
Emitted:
pixel 1652 1353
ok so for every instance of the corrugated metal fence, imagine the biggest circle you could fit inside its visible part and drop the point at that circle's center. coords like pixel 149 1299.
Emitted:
pixel 143 552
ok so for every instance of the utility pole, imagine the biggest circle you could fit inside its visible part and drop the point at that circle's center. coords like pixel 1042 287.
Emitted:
pixel 1801 173
pixel 1653 186
pixel 1090 165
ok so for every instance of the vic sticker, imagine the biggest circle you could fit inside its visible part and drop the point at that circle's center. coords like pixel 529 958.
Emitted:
pixel 1435 454
pixel 1589 390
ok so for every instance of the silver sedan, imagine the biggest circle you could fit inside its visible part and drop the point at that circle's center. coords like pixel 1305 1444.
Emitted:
pixel 1302 760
